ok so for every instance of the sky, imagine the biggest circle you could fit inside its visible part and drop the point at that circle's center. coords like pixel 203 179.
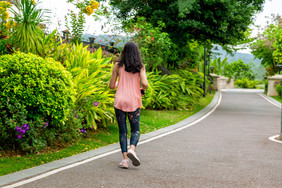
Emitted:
pixel 60 9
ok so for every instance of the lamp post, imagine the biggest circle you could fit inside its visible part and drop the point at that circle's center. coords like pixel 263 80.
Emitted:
pixel 91 41
pixel 205 63
pixel 212 67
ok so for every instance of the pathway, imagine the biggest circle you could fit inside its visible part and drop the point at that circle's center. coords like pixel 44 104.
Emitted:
pixel 229 148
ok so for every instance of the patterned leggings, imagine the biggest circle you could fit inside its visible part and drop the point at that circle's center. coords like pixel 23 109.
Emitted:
pixel 134 120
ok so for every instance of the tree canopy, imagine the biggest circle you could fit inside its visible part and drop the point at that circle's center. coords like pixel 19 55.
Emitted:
pixel 219 21
pixel 267 45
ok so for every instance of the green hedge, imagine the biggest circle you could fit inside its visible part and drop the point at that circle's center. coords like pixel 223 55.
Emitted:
pixel 34 94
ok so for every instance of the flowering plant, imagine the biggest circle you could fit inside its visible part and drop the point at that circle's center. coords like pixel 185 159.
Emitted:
pixel 155 45
pixel 6 26
pixel 77 20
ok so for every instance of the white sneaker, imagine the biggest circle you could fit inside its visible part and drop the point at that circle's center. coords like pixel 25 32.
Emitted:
pixel 133 157
pixel 124 163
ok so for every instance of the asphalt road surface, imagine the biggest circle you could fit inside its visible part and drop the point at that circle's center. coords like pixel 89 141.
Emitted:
pixel 229 148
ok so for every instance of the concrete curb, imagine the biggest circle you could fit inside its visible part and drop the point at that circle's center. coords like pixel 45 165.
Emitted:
pixel 31 172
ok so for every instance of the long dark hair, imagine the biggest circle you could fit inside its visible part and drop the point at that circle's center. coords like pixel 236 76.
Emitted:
pixel 130 58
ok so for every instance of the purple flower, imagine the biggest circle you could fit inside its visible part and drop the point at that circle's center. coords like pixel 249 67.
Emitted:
pixel 46 124
pixel 25 127
pixel 95 103
pixel 83 131
pixel 76 116
pixel 19 136
pixel 18 128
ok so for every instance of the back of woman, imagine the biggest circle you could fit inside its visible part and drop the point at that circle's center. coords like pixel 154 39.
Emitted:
pixel 128 95
pixel 131 71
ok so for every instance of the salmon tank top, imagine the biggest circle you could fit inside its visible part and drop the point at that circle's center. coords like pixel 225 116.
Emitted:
pixel 128 96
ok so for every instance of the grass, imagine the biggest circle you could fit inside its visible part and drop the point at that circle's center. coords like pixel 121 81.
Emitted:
pixel 278 98
pixel 150 120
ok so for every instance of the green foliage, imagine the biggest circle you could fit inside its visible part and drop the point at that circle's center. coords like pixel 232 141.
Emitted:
pixel 223 22
pixel 91 74
pixel 245 83
pixel 49 44
pixel 77 24
pixel 34 91
pixel 155 45
pixel 279 89
pixel 266 44
pixel 27 33
pixel 239 70
pixel 176 91
pixel 277 54
pixel 219 66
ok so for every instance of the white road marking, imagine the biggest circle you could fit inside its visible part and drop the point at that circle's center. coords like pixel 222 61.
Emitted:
pixel 111 152
pixel 279 106
pixel 272 138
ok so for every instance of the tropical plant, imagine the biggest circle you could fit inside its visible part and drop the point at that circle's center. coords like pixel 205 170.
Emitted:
pixel 175 91
pixel 35 93
pixel 49 44
pixel 219 65
pixel 91 74
pixel 28 17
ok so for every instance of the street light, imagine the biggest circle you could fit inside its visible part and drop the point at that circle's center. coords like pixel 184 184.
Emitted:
pixel 205 63
pixel 92 39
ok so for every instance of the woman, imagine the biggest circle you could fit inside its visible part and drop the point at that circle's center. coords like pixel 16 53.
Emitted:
pixel 131 71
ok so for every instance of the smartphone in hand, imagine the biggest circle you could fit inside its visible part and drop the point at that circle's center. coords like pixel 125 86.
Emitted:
pixel 142 91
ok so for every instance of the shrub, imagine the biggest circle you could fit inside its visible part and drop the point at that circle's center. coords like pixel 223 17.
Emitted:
pixel 279 89
pixel 91 75
pixel 176 91
pixel 245 83
pixel 33 91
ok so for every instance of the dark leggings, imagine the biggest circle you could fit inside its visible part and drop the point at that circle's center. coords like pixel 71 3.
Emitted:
pixel 134 120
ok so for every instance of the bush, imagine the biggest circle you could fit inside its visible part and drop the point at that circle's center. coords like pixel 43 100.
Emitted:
pixel 176 91
pixel 35 92
pixel 91 74
pixel 245 83
pixel 279 89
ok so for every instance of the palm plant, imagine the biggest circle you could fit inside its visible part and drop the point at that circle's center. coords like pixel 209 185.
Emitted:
pixel 219 66
pixel 28 18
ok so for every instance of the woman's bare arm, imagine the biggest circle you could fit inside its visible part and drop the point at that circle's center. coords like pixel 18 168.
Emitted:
pixel 143 78
pixel 113 84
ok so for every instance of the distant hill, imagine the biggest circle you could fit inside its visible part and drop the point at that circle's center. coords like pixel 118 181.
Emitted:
pixel 245 57
pixel 119 40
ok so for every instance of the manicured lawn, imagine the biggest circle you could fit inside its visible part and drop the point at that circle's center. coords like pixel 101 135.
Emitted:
pixel 150 120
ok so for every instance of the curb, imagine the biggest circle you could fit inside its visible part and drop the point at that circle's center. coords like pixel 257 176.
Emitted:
pixel 113 148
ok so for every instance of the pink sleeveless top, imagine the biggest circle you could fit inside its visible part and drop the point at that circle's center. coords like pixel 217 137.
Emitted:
pixel 128 95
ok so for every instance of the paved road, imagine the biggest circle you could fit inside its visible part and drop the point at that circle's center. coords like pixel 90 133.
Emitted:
pixel 230 148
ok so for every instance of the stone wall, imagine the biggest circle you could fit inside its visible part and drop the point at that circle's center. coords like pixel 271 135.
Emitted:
pixel 272 83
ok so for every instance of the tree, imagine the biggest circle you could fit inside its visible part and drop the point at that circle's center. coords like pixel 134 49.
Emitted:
pixel 220 21
pixel 277 54
pixel 239 70
pixel 267 43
